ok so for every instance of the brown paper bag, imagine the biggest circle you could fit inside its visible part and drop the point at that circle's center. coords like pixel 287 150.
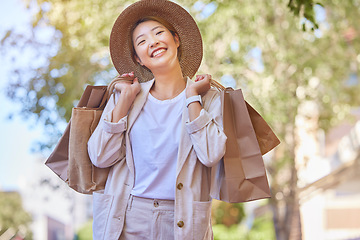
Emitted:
pixel 83 176
pixel 241 175
pixel 70 159
pixel 265 136
pixel 58 159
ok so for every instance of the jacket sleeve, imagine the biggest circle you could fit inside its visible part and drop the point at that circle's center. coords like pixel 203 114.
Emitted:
pixel 106 145
pixel 206 131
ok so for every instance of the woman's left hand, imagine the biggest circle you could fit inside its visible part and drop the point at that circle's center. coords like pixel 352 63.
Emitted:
pixel 200 87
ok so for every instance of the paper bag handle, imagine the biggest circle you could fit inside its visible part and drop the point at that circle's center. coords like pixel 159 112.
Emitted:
pixel 217 85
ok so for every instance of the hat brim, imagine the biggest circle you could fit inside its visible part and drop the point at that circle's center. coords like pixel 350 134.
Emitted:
pixel 178 17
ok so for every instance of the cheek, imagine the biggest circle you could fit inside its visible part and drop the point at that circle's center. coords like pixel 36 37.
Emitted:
pixel 141 54
pixel 140 50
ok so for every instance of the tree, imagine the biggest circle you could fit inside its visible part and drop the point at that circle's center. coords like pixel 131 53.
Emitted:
pixel 281 68
pixel 292 69
pixel 14 220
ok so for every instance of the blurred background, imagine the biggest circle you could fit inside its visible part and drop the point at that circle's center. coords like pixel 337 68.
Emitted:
pixel 297 63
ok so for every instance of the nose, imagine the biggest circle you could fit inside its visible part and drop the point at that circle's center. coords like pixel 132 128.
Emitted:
pixel 154 42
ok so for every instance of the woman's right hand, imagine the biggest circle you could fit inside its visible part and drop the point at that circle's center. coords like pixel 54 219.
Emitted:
pixel 129 89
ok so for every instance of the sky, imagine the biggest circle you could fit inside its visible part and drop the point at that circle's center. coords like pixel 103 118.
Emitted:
pixel 16 135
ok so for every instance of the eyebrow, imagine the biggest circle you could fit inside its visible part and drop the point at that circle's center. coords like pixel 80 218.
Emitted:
pixel 151 30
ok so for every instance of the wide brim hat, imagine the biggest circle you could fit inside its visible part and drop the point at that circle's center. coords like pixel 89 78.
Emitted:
pixel 177 16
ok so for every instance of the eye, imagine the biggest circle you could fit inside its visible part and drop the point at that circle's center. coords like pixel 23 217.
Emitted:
pixel 159 32
pixel 141 42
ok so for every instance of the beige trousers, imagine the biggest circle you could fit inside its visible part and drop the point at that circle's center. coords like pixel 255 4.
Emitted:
pixel 148 219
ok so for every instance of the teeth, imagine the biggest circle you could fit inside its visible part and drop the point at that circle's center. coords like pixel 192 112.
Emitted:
pixel 158 52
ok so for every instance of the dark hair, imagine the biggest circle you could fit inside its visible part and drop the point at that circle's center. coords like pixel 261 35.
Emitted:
pixel 162 22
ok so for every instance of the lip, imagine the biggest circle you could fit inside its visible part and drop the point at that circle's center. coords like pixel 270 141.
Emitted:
pixel 152 53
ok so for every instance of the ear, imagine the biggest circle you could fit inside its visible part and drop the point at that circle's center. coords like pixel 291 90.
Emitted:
pixel 177 40
pixel 138 60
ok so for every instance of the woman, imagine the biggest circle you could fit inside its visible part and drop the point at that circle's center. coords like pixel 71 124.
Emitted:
pixel 160 137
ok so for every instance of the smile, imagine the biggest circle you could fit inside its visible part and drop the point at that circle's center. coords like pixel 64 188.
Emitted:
pixel 157 52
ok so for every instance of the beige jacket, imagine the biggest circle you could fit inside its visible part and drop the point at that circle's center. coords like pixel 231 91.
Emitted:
pixel 202 145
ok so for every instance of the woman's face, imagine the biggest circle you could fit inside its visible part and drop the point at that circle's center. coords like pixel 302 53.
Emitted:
pixel 154 45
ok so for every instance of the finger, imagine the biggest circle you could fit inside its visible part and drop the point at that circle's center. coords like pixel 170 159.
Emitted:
pixel 131 74
pixel 208 77
pixel 117 87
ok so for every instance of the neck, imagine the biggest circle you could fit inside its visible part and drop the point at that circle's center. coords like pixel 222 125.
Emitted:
pixel 168 84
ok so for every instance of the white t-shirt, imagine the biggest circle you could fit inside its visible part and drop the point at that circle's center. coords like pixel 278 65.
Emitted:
pixel 154 140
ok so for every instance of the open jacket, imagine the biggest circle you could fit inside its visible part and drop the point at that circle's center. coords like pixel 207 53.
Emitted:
pixel 202 145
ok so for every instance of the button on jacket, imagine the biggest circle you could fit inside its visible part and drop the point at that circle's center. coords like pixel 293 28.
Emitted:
pixel 201 147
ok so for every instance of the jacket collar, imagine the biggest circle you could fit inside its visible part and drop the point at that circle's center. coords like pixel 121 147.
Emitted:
pixel 141 99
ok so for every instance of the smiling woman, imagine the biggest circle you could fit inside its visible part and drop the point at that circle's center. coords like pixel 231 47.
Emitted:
pixel 164 23
pixel 163 50
pixel 160 133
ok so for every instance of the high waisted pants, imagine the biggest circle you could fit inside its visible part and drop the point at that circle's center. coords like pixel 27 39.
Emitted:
pixel 148 219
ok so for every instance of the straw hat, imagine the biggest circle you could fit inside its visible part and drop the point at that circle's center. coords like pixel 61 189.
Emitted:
pixel 178 17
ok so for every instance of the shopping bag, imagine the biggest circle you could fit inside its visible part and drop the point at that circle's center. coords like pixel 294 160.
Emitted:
pixel 83 176
pixel 70 160
pixel 241 175
pixel 265 136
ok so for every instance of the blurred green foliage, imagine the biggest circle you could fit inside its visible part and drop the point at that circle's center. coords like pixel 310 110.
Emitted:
pixel 85 232
pixel 227 214
pixel 305 8
pixel 14 220
pixel 261 229
pixel 222 232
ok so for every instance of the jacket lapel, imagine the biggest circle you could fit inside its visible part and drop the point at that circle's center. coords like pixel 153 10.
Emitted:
pixel 185 144
pixel 133 114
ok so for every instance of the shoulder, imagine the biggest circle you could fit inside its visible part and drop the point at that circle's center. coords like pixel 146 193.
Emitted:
pixel 213 92
pixel 146 85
